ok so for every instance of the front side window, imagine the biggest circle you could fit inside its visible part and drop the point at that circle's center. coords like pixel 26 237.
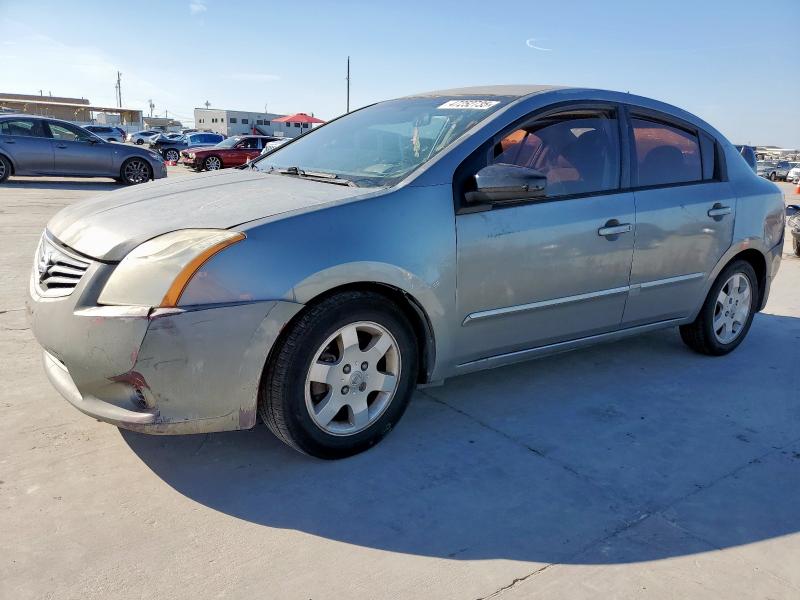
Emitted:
pixel 577 151
pixel 383 143
pixel 665 154
pixel 68 133
pixel 21 127
pixel 249 144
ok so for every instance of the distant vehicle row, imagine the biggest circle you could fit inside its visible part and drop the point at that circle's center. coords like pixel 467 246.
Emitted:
pixel 775 170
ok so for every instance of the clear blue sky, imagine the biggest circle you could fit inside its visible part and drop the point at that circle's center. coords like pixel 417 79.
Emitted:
pixel 730 62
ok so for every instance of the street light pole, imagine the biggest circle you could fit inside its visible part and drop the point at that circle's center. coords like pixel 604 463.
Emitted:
pixel 348 84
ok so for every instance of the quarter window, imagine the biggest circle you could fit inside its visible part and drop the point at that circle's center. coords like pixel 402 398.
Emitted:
pixel 578 152
pixel 665 154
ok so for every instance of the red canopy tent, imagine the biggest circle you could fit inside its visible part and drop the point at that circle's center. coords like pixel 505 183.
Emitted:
pixel 297 118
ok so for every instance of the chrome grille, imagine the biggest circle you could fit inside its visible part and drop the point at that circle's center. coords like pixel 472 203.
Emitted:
pixel 57 270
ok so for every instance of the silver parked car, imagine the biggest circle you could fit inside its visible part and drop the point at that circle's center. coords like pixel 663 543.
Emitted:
pixel 404 243
pixel 141 137
pixel 41 146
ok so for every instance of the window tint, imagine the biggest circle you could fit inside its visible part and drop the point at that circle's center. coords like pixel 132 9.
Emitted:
pixel 23 127
pixel 249 143
pixel 665 154
pixel 578 152
pixel 68 133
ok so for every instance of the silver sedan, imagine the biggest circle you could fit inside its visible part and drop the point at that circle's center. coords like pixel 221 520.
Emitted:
pixel 404 243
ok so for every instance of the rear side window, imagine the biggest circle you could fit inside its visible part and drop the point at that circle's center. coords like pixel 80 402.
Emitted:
pixel 577 151
pixel 665 154
pixel 21 127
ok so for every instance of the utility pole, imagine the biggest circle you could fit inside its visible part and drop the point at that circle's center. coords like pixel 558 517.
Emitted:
pixel 207 104
pixel 152 106
pixel 119 90
pixel 348 84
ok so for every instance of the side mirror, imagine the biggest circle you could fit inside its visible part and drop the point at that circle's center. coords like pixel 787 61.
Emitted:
pixel 506 183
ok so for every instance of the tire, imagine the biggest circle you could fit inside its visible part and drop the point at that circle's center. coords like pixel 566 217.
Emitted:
pixel 795 243
pixel 212 163
pixel 172 155
pixel 772 176
pixel 5 169
pixel 135 170
pixel 291 406
pixel 701 336
pixel 139 142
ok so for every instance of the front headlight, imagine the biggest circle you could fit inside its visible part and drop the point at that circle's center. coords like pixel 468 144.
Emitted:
pixel 191 154
pixel 156 272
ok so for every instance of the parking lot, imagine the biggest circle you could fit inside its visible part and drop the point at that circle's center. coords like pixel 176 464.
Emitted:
pixel 627 470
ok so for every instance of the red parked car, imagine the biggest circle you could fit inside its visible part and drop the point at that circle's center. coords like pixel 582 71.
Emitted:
pixel 231 152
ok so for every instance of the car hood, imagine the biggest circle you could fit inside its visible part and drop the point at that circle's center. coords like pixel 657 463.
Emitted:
pixel 109 226
pixel 206 148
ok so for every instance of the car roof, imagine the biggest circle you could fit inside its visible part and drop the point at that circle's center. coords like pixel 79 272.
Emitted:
pixel 513 90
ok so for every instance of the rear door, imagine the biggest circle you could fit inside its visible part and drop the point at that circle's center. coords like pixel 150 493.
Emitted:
pixel 27 143
pixel 684 216
pixel 77 152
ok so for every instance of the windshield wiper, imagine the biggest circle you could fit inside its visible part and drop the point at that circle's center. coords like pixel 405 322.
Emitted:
pixel 317 176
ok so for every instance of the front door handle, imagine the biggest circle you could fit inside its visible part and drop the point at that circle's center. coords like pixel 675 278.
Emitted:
pixel 10 141
pixel 718 211
pixel 614 228
pixel 61 146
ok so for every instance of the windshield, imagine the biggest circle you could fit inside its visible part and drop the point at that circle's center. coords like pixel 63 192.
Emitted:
pixel 381 144
pixel 229 142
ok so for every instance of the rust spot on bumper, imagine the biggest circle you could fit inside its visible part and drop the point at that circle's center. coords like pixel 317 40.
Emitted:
pixel 133 378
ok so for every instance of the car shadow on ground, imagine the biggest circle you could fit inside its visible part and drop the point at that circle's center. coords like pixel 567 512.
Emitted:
pixel 631 451
pixel 100 184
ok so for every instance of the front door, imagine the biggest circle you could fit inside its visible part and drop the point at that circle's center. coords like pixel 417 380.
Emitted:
pixel 28 145
pixel 77 152
pixel 684 219
pixel 552 269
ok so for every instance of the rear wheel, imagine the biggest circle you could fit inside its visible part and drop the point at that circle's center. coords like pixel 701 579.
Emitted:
pixel 212 163
pixel 135 170
pixel 795 243
pixel 727 313
pixel 341 377
pixel 5 169
pixel 172 155
pixel 773 176
pixel 139 142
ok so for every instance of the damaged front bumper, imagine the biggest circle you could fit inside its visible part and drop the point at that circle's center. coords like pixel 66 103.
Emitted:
pixel 166 371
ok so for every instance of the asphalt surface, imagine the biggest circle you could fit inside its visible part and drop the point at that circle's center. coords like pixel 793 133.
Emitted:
pixel 634 469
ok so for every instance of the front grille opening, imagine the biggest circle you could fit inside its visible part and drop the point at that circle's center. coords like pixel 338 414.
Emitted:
pixel 58 271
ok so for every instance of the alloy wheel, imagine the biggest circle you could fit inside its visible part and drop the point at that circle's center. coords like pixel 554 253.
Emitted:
pixel 213 163
pixel 172 155
pixel 136 171
pixel 732 308
pixel 2 169
pixel 352 378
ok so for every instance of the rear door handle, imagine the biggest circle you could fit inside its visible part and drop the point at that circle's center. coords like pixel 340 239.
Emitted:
pixel 614 227
pixel 718 211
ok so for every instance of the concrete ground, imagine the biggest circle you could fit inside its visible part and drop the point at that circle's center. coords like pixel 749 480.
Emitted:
pixel 635 469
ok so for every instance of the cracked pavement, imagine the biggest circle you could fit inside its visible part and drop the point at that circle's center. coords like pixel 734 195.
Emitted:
pixel 625 470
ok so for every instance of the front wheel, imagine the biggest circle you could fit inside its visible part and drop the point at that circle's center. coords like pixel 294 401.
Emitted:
pixel 139 142
pixel 212 163
pixel 795 242
pixel 135 170
pixel 171 155
pixel 773 176
pixel 727 313
pixel 342 376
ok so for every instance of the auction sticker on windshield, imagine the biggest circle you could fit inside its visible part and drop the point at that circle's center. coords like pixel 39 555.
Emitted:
pixel 470 104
